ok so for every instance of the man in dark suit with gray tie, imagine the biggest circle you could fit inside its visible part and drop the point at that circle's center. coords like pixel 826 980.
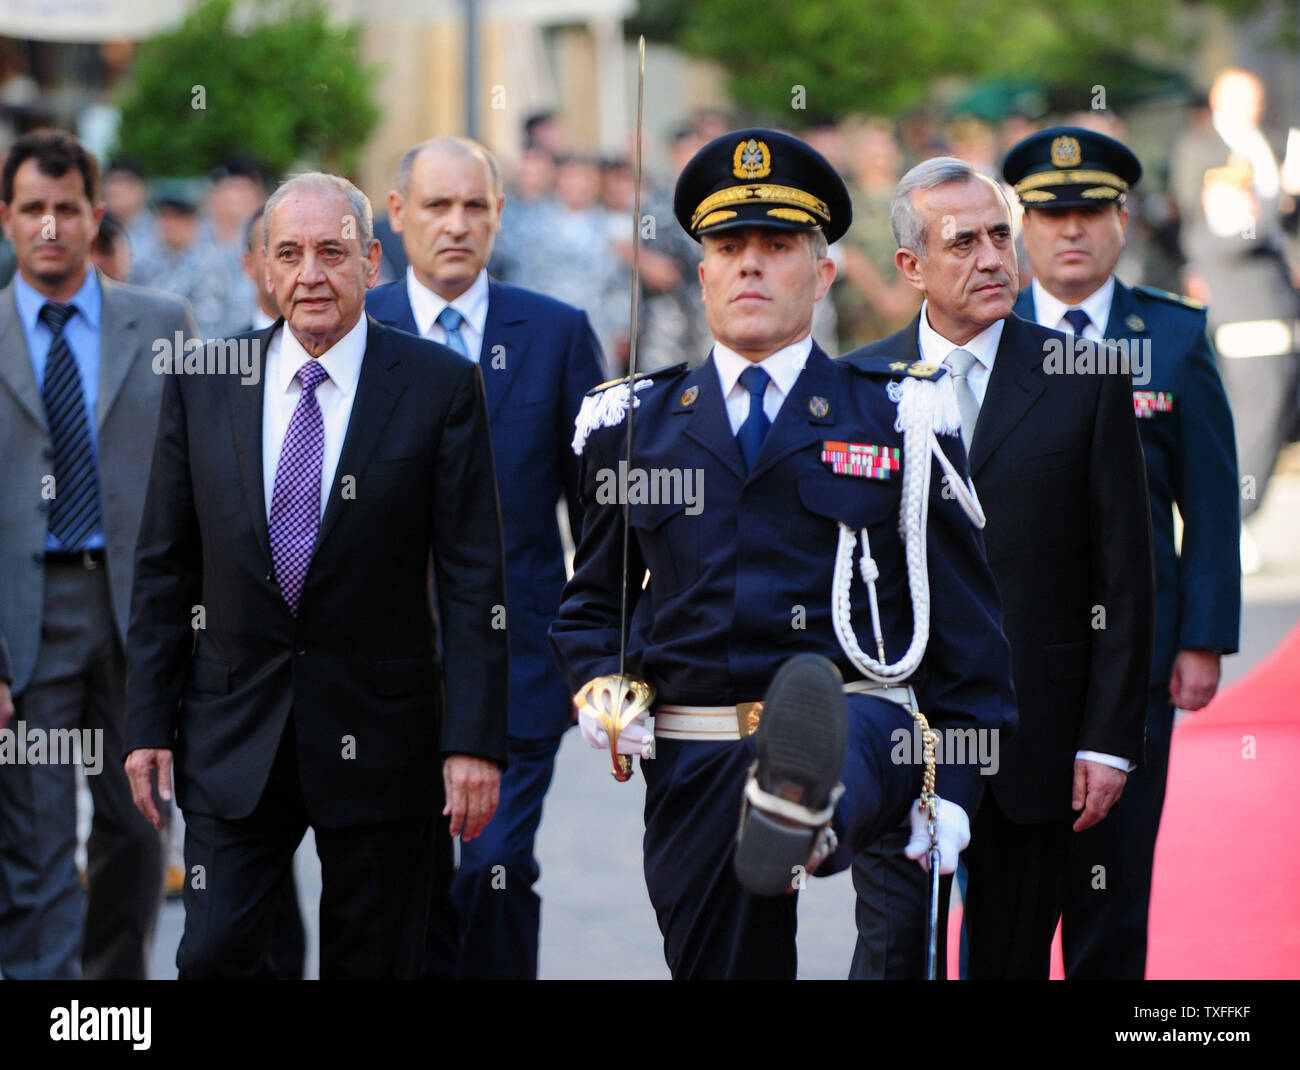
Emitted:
pixel 538 358
pixel 78 408
pixel 335 520
pixel 1056 459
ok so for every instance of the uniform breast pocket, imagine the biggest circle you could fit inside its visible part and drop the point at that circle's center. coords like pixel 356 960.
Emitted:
pixel 859 503
pixel 669 538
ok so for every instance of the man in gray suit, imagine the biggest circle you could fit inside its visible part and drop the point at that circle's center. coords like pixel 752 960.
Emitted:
pixel 79 405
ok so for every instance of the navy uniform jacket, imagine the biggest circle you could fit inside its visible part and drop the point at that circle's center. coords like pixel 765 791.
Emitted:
pixel 742 581
pixel 1186 429
pixel 547 360
pixel 1057 463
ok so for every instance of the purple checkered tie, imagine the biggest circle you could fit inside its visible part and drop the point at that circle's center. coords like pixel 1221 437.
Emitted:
pixel 295 503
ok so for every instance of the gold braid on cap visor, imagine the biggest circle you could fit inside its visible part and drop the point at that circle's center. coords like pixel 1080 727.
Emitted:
pixel 1070 178
pixel 781 194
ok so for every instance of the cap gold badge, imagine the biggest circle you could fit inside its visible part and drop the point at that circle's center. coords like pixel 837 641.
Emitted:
pixel 1065 152
pixel 752 159
pixel 818 406
pixel 688 396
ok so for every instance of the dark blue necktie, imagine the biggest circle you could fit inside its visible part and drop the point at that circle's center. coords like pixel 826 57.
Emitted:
pixel 754 429
pixel 1078 319
pixel 75 512
pixel 450 320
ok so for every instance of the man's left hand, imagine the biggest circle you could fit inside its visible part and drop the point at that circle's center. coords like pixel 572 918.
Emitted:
pixel 473 787
pixel 6 704
pixel 1097 787
pixel 1194 680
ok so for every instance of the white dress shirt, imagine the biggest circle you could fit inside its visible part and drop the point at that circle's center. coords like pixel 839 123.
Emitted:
pixel 472 306
pixel 284 356
pixel 935 349
pixel 782 367
pixel 1050 312
pixel 261 321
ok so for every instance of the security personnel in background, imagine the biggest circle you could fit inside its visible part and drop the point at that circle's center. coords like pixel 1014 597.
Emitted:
pixel 760 482
pixel 1074 233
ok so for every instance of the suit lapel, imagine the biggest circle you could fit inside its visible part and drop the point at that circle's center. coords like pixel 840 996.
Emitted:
pixel 378 389
pixel 1124 311
pixel 796 425
pixel 707 417
pixel 246 425
pixel 119 338
pixel 16 361
pixel 1014 385
pixel 506 329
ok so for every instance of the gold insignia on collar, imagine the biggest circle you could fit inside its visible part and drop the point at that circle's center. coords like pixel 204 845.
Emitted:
pixel 818 406
pixel 688 396
pixel 898 366
pixel 922 369
pixel 1135 323
pixel 1065 152
pixel 752 159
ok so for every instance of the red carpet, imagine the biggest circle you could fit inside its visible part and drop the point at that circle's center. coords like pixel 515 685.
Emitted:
pixel 1226 897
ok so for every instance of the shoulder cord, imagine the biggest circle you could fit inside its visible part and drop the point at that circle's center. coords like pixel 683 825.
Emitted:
pixel 921 409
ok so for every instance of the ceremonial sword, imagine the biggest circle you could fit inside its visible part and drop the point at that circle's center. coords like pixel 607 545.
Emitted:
pixel 620 699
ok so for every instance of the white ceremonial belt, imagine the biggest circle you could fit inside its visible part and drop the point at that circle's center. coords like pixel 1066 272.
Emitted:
pixel 721 723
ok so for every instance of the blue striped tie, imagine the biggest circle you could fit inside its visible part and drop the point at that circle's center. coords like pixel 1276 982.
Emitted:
pixel 75 510
pixel 450 320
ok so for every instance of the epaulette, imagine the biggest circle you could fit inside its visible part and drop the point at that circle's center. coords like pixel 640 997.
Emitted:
pixel 672 369
pixel 1169 298
pixel 606 405
pixel 893 368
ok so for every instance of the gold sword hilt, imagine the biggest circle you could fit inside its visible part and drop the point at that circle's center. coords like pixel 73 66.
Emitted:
pixel 616 701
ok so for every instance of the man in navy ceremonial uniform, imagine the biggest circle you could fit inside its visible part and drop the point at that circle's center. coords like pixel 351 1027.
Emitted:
pixel 752 478
pixel 1074 239
pixel 538 357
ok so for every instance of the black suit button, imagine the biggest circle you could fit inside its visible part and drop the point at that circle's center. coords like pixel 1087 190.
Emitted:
pixel 42 507
pixel 302 653
pixel 38 557
pixel 48 453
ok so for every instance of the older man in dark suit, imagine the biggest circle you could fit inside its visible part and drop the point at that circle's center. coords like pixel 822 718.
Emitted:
pixel 333 526
pixel 538 357
pixel 78 408
pixel 1056 460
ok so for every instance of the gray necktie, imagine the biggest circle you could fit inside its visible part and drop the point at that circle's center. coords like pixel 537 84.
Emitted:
pixel 960 362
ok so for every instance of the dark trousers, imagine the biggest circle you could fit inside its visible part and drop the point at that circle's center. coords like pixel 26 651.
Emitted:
pixel 1012 905
pixel 712 926
pixel 49 927
pixel 374 897
pixel 892 913
pixel 1013 895
pixel 492 891
pixel 1108 886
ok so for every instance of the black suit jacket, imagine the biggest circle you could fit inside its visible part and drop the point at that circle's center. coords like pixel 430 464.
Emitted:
pixel 412 522
pixel 1057 463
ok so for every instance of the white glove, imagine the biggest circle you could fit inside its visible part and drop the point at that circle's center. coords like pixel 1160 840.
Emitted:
pixel 952 830
pixel 635 739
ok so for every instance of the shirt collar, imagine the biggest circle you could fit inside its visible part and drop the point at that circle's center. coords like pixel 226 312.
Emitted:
pixel 1050 310
pixel 342 360
pixel 783 366
pixel 427 306
pixel 935 348
pixel 261 321
pixel 89 300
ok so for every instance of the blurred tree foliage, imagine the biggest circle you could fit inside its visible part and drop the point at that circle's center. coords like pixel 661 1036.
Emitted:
pixel 885 55
pixel 287 86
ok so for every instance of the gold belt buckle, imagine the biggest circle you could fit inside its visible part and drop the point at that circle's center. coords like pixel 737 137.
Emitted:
pixel 747 717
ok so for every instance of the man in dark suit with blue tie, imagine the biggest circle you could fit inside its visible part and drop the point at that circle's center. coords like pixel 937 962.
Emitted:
pixel 538 358
pixel 1074 240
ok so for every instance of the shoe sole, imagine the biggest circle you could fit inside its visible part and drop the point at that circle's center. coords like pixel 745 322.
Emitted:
pixel 800 745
